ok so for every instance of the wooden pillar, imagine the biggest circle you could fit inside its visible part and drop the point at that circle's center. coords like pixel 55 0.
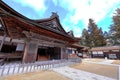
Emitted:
pixel 64 54
pixel 30 52
pixel 3 40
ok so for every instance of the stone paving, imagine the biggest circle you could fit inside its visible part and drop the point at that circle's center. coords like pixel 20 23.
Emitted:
pixel 76 74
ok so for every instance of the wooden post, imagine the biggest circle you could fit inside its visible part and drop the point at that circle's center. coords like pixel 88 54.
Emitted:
pixel 2 41
pixel 30 52
pixel 64 54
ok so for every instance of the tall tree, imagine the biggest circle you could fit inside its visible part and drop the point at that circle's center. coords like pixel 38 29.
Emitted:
pixel 106 36
pixel 97 38
pixel 94 35
pixel 102 39
pixel 115 29
pixel 85 38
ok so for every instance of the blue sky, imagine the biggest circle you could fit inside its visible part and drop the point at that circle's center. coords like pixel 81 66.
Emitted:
pixel 73 14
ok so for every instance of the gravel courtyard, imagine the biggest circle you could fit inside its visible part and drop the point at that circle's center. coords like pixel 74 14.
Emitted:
pixel 100 69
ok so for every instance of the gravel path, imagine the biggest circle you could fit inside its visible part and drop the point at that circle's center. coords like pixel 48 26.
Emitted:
pixel 76 74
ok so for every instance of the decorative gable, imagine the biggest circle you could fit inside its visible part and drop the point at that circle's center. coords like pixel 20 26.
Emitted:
pixel 52 22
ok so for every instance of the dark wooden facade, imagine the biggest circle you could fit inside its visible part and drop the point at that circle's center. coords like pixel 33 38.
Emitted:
pixel 41 39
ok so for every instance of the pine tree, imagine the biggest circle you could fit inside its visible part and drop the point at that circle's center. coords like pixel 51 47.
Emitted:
pixel 92 30
pixel 85 38
pixel 97 38
pixel 115 29
pixel 102 39
pixel 93 37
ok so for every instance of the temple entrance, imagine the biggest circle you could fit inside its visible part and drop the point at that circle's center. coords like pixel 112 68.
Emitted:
pixel 48 53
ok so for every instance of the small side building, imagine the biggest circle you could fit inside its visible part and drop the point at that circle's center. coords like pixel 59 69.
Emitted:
pixel 111 52
pixel 74 49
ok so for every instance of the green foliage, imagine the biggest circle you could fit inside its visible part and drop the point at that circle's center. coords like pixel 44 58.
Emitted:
pixel 93 37
pixel 85 38
pixel 115 29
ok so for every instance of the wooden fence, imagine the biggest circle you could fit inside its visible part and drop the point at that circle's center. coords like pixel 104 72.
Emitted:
pixel 8 69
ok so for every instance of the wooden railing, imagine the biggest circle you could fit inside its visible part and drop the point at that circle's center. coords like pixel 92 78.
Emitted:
pixel 8 69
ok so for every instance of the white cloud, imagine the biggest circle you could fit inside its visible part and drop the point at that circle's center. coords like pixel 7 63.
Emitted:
pixel 96 10
pixel 77 31
pixel 79 10
pixel 70 26
pixel 38 5
pixel 85 9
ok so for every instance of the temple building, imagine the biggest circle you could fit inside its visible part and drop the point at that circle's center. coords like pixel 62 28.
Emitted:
pixel 32 40
pixel 110 52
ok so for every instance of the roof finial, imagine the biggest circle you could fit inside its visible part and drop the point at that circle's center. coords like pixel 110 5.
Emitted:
pixel 54 14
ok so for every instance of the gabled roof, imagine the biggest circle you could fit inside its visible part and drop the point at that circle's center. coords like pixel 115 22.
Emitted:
pixel 5 8
pixel 75 45
pixel 52 22
pixel 20 22
pixel 71 33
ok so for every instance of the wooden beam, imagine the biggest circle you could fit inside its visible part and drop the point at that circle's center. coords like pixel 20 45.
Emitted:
pixel 44 40
pixel 42 37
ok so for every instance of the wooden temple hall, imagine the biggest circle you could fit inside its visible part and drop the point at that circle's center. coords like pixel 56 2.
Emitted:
pixel 32 40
